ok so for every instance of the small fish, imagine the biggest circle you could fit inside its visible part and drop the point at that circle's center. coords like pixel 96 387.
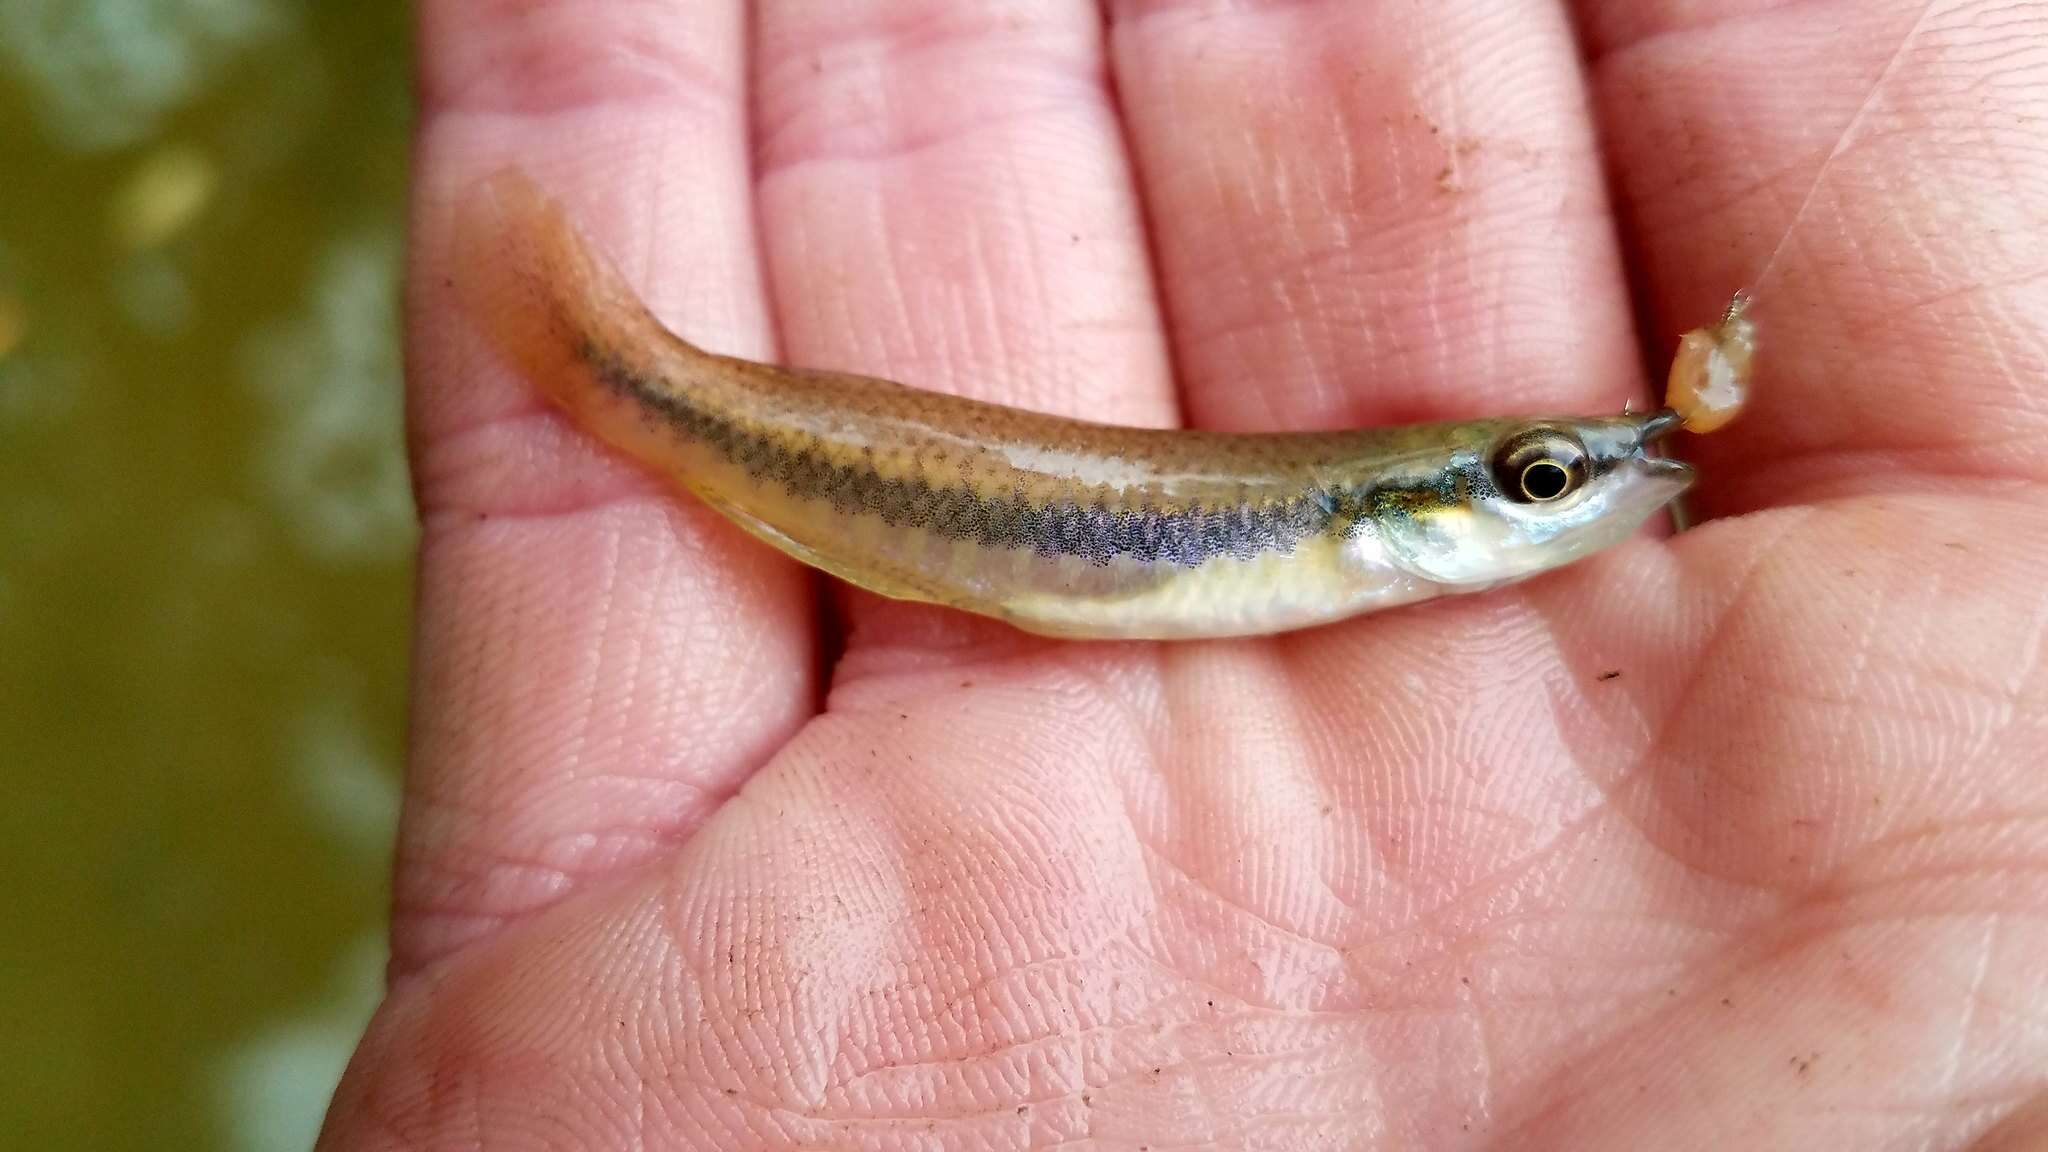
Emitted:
pixel 1061 527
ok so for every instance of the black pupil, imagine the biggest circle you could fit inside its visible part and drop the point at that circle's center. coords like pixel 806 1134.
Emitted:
pixel 1545 480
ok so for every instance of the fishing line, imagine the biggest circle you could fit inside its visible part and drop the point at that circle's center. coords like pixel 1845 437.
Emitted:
pixel 1847 137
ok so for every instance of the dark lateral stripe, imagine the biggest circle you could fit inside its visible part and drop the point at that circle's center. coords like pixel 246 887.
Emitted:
pixel 1097 532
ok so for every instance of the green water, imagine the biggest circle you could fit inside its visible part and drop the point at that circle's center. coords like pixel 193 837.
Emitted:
pixel 205 543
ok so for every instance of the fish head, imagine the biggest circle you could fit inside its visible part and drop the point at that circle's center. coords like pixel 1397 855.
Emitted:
pixel 1501 500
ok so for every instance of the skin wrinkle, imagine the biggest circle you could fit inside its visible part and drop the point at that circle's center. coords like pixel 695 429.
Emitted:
pixel 1229 907
pixel 1492 882
pixel 509 872
pixel 891 37
pixel 1807 922
pixel 1903 709
pixel 1321 765
pixel 1284 730
pixel 1198 982
pixel 2015 1124
pixel 1219 900
pixel 1952 1068
pixel 950 1014
pixel 1846 898
pixel 1876 623
pixel 1074 1040
pixel 547 878
pixel 1421 910
pixel 1703 664
pixel 1995 298
pixel 1479 784
pixel 642 63
pixel 1227 904
pixel 1374 857
pixel 458 502
pixel 2036 630
pixel 777 158
pixel 604 655
pixel 975 1109
pixel 1708 983
pixel 1482 1101
pixel 1696 21
pixel 1981 827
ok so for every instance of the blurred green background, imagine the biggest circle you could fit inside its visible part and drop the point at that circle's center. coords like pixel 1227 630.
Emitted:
pixel 205 540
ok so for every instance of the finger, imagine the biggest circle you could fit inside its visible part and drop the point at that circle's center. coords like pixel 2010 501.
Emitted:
pixel 597 665
pixel 1374 212
pixel 945 200
pixel 1884 168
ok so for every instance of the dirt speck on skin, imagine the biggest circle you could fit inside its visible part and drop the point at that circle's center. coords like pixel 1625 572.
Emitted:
pixel 1610 674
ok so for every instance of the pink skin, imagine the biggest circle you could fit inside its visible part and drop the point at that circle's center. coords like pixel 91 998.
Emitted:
pixel 682 868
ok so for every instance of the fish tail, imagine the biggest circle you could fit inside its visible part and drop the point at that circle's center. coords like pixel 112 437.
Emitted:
pixel 549 302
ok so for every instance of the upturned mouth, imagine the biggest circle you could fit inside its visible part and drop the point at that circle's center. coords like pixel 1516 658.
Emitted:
pixel 1651 429
pixel 1629 441
pixel 1656 425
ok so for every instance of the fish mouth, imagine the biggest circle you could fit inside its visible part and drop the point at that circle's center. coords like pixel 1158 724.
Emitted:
pixel 1656 425
pixel 1628 443
pixel 1648 431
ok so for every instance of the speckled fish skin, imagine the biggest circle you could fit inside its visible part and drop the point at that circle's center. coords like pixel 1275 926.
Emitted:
pixel 1059 526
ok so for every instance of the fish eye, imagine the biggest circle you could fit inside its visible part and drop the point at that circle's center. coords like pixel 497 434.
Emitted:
pixel 1540 466
pixel 1545 480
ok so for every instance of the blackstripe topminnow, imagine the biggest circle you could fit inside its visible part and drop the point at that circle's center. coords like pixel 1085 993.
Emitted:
pixel 1059 526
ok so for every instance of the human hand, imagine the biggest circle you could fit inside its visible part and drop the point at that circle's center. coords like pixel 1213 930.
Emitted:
pixel 1730 840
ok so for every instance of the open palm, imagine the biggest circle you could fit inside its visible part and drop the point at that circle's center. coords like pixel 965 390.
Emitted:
pixel 1738 839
